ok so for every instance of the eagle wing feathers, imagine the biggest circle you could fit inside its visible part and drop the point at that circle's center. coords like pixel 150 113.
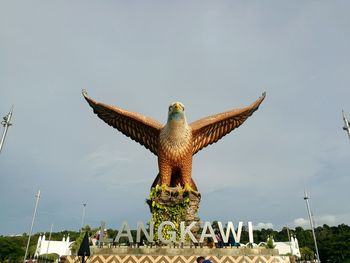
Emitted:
pixel 209 130
pixel 139 128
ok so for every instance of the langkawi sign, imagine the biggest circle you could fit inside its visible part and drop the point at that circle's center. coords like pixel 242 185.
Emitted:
pixel 207 232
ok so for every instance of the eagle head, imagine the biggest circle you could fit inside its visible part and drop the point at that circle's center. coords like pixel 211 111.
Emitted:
pixel 176 111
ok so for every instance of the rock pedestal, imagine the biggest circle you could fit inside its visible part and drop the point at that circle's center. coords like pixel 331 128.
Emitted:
pixel 174 204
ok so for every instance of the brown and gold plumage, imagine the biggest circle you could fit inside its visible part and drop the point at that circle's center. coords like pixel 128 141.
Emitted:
pixel 175 142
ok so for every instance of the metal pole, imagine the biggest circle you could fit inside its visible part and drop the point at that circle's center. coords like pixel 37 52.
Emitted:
pixel 48 244
pixel 102 233
pixel 83 217
pixel 31 227
pixel 6 123
pixel 346 124
pixel 306 198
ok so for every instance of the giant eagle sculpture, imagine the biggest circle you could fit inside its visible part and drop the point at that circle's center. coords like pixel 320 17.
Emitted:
pixel 177 141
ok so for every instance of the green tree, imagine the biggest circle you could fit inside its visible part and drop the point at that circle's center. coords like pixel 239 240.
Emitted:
pixel 307 253
pixel 269 243
pixel 10 250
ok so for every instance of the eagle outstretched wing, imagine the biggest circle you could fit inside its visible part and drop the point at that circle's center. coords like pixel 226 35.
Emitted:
pixel 141 129
pixel 209 130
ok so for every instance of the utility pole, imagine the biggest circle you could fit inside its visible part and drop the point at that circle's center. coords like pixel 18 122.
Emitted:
pixel 31 228
pixel 306 198
pixel 6 123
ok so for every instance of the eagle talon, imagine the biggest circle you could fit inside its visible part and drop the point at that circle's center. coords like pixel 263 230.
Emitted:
pixel 164 187
pixel 188 188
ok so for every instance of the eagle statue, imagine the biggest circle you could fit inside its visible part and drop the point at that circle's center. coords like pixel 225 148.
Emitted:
pixel 177 141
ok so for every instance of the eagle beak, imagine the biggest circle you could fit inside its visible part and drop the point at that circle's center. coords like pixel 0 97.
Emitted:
pixel 177 107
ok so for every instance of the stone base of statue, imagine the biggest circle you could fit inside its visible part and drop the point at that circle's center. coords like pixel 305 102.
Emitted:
pixel 181 255
pixel 174 204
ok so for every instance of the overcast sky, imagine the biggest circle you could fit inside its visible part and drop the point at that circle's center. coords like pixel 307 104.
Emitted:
pixel 142 55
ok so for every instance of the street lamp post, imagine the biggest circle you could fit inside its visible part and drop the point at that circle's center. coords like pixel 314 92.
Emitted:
pixel 306 198
pixel 6 123
pixel 346 125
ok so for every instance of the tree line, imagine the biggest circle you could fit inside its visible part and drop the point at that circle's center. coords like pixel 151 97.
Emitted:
pixel 333 242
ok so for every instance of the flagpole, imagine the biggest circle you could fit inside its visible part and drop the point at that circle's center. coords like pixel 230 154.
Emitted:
pixel 306 198
pixel 48 244
pixel 6 123
pixel 83 217
pixel 31 227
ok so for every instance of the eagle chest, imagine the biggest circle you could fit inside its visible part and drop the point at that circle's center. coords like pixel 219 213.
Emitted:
pixel 175 144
